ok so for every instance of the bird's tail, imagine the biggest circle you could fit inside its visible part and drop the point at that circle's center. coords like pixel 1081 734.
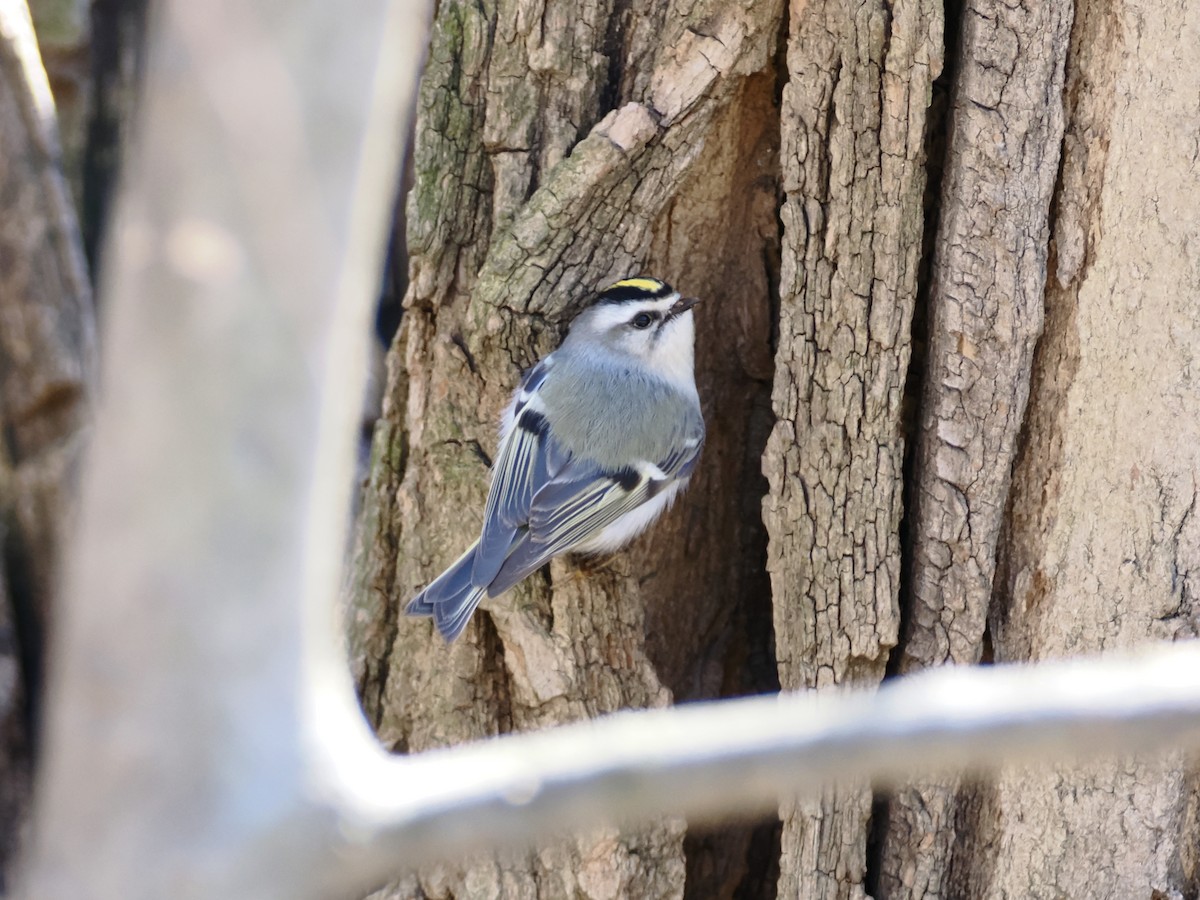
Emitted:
pixel 451 598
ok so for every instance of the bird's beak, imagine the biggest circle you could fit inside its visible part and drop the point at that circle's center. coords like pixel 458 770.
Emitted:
pixel 682 305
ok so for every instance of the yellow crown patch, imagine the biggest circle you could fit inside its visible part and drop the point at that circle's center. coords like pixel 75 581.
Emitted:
pixel 649 285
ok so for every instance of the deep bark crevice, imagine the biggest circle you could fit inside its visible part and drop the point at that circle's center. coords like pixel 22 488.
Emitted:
pixel 736 860
pixel 494 669
pixel 751 874
pixel 976 817
pixel 937 135
pixel 751 851
pixel 876 834
pixel 936 142
pixel 389 309
pixel 614 51
pixel 28 627
pixel 118 56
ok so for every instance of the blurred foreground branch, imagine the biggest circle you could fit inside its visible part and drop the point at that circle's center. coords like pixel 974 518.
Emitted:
pixel 202 739
pixel 713 760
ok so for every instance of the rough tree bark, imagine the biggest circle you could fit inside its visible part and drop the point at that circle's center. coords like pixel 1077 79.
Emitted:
pixel 854 177
pixel 1093 546
pixel 985 314
pixel 773 160
pixel 770 158
pixel 1102 543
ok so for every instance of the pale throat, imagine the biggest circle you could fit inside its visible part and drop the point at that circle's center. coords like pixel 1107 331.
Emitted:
pixel 675 357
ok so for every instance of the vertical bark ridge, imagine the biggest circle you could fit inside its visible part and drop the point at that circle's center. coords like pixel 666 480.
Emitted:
pixel 985 316
pixel 853 169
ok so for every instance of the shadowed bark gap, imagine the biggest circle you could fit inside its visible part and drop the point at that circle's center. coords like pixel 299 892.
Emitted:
pixel 117 51
pixel 727 649
pixel 737 861
pixel 937 127
pixel 937 133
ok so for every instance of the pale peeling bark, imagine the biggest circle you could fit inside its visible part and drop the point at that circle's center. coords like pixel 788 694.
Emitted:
pixel 558 149
pixel 988 279
pixel 853 171
pixel 47 348
pixel 1103 548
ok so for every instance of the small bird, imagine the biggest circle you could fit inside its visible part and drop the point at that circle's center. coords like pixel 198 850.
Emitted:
pixel 599 438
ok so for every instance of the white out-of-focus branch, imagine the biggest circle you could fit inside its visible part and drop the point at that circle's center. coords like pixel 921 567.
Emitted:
pixel 240 277
pixel 716 759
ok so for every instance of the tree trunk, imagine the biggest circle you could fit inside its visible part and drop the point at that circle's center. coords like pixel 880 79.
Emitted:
pixel 1096 538
pixel 1102 541
pixel 1011 494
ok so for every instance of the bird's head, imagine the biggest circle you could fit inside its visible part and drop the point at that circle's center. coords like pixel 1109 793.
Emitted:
pixel 642 321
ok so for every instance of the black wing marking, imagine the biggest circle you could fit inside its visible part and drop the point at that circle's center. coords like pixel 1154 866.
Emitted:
pixel 582 502
pixel 574 510
pixel 529 459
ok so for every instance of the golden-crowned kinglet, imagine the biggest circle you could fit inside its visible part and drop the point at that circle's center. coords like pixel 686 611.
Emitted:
pixel 599 438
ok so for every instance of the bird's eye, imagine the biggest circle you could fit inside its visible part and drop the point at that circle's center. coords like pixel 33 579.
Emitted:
pixel 643 320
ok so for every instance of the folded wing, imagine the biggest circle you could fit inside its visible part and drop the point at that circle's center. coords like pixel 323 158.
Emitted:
pixel 544 500
pixel 582 501
pixel 528 459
